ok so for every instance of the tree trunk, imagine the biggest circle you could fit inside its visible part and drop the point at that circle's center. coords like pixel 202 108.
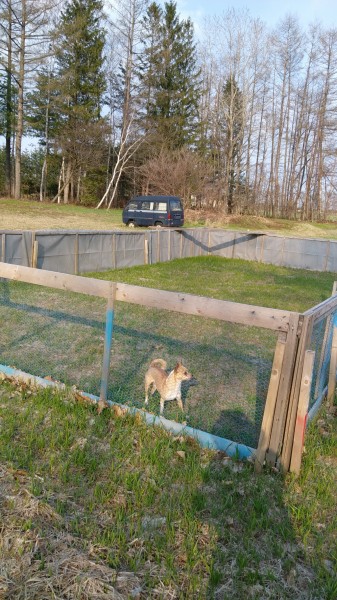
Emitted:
pixel 21 80
pixel 9 108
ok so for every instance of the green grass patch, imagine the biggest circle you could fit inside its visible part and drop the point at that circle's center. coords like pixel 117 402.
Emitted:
pixel 95 503
pixel 58 334
pixel 236 280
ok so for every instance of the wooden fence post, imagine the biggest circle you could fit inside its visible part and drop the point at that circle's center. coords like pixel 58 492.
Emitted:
pixel 35 254
pixel 3 247
pixel 76 255
pixel 109 321
pixel 284 389
pixel 269 408
pixel 114 258
pixel 288 437
pixel 146 251
pixel 302 412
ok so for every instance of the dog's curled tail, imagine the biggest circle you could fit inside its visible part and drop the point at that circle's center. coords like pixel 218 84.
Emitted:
pixel 158 361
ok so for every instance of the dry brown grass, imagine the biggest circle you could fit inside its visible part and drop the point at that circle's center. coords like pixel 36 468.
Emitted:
pixel 28 215
pixel 33 215
pixel 252 223
pixel 41 559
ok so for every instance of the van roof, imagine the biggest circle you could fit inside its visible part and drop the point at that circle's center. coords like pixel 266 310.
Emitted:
pixel 156 198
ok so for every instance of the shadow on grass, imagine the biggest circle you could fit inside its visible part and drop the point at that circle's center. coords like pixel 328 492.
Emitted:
pixel 232 384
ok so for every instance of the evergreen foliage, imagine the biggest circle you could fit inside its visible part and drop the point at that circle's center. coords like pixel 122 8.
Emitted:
pixel 79 58
pixel 169 77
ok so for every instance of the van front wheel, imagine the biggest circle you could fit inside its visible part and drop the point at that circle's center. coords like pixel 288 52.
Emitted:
pixel 131 224
pixel 158 224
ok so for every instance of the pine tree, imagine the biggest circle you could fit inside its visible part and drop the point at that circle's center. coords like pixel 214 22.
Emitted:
pixel 79 56
pixel 169 77
pixel 80 85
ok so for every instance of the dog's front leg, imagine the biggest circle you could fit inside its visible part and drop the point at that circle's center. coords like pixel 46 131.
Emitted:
pixel 161 405
pixel 180 402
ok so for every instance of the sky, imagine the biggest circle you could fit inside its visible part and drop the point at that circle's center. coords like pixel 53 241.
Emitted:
pixel 269 11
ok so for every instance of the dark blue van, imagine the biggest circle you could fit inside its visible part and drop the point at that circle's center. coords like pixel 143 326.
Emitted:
pixel 160 211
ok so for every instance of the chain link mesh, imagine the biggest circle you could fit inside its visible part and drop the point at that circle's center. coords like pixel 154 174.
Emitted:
pixel 61 335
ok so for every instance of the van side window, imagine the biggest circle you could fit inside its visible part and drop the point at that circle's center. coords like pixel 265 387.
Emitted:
pixel 160 206
pixel 175 205
pixel 146 205
pixel 132 206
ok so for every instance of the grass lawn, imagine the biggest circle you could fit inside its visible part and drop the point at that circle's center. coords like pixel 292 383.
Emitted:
pixel 34 215
pixel 236 280
pixel 51 333
pixel 103 506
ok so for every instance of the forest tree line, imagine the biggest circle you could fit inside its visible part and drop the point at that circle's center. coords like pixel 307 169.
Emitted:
pixel 123 98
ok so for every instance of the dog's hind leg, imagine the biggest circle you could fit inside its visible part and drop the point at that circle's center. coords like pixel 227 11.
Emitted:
pixel 149 383
pixel 161 405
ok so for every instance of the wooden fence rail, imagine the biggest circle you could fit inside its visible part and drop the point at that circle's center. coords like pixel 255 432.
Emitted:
pixel 281 437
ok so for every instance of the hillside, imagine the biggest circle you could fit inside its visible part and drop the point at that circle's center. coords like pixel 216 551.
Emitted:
pixel 25 214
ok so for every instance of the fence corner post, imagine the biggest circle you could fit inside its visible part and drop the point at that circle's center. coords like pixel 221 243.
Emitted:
pixel 302 412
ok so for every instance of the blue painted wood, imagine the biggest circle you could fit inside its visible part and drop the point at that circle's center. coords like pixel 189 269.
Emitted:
pixel 109 321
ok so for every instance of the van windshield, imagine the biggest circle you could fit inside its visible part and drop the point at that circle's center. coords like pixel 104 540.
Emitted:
pixel 175 205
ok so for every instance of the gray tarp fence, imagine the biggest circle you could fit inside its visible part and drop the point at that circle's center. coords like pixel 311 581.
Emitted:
pixel 84 251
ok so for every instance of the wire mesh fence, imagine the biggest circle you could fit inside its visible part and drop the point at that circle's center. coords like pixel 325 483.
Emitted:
pixel 230 365
pixel 60 335
pixel 51 333
pixel 320 343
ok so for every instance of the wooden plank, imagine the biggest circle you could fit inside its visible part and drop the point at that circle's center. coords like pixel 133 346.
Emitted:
pixel 35 254
pixel 231 312
pixel 302 412
pixel 76 254
pixel 3 247
pixel 332 368
pixel 283 395
pixel 262 248
pixel 233 248
pixel 327 256
pixel 146 251
pixel 32 264
pixel 320 311
pixel 61 281
pixel 304 341
pixel 282 251
pixel 269 408
pixel 114 258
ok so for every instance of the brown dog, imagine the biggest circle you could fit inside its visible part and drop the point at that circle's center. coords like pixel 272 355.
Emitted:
pixel 168 385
